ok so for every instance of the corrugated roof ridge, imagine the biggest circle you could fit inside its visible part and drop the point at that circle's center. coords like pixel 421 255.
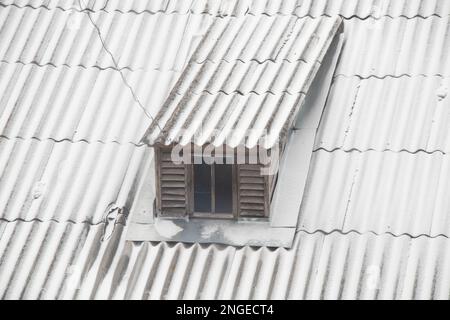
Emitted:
pixel 51 64
pixel 68 221
pixel 350 150
pixel 217 15
pixel 238 92
pixel 187 245
pixel 73 141
pixel 388 76
pixel 269 60
pixel 121 222
pixel 307 232
pixel 354 231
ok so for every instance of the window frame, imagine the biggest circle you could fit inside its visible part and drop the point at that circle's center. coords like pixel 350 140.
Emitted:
pixel 212 214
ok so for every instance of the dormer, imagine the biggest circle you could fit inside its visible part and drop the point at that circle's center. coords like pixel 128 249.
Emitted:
pixel 233 141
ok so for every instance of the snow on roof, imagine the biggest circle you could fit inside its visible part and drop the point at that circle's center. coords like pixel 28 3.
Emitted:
pixel 374 221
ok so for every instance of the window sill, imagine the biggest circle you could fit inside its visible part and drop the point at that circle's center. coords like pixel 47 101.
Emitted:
pixel 205 215
pixel 230 232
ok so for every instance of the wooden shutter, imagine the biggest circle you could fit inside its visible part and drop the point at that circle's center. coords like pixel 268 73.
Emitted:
pixel 172 189
pixel 252 191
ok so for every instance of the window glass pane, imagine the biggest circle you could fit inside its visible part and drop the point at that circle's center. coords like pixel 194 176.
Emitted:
pixel 202 188
pixel 223 184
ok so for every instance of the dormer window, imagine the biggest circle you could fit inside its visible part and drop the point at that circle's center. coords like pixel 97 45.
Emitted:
pixel 235 186
pixel 234 139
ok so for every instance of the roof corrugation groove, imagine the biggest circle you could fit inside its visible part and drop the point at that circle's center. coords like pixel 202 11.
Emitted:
pixel 313 8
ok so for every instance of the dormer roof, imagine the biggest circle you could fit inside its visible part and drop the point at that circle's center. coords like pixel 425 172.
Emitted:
pixel 245 82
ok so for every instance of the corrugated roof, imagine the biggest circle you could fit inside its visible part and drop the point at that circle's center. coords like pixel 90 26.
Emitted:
pixel 409 113
pixel 245 82
pixel 46 259
pixel 319 266
pixel 57 37
pixel 50 63
pixel 395 192
pixel 78 104
pixel 50 260
pixel 396 47
pixel 389 205
pixel 63 181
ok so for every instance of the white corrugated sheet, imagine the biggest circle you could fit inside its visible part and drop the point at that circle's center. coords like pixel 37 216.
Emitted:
pixel 78 104
pixel 53 62
pixel 405 113
pixel 64 181
pixel 319 266
pixel 49 260
pixel 395 192
pixel 57 37
pixel 374 222
pixel 396 47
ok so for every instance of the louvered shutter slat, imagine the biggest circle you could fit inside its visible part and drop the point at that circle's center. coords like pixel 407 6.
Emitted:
pixel 173 189
pixel 252 193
